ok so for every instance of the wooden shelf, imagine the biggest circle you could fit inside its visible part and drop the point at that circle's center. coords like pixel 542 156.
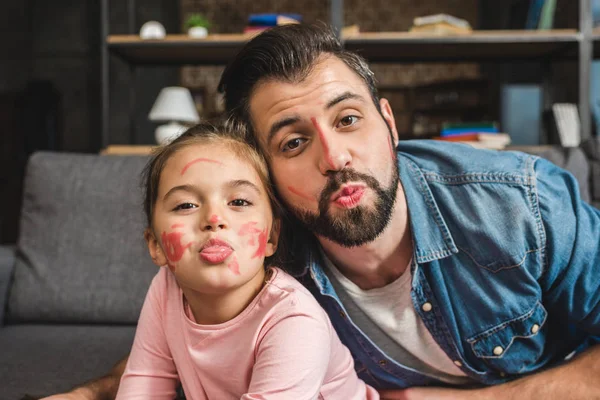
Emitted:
pixel 476 46
pixel 375 46
pixel 177 49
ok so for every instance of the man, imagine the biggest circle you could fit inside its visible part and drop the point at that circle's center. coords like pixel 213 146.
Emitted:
pixel 454 272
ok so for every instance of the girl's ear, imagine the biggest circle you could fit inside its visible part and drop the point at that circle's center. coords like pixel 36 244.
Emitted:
pixel 273 238
pixel 156 252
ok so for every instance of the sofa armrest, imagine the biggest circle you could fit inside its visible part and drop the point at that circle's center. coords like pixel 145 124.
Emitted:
pixel 7 263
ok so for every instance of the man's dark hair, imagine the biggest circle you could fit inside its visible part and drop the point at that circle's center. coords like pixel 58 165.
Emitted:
pixel 286 53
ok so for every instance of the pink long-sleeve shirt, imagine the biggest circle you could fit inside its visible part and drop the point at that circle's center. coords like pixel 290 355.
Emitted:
pixel 282 346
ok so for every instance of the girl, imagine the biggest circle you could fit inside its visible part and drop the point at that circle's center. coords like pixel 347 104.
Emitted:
pixel 214 318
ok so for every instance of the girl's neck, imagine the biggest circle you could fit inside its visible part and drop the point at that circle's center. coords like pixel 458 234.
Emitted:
pixel 218 308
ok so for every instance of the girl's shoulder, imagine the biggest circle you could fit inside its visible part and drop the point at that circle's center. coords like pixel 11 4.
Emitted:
pixel 291 293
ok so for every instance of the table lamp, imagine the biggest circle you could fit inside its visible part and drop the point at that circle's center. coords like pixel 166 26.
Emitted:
pixel 175 105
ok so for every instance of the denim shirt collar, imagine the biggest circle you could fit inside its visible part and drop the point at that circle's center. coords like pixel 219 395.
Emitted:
pixel 431 236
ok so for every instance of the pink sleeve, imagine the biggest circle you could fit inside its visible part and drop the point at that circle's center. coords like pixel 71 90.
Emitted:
pixel 150 372
pixel 294 357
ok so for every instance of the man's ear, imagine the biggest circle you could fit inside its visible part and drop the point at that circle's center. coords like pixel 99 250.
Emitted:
pixel 388 116
pixel 156 252
pixel 273 238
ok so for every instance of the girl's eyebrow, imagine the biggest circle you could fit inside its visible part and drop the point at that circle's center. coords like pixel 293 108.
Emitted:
pixel 180 188
pixel 239 183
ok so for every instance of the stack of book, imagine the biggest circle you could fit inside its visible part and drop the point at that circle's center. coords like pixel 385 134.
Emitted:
pixel 441 24
pixel 260 22
pixel 541 14
pixel 482 135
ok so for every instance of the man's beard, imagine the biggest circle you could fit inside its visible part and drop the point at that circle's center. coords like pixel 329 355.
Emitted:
pixel 358 225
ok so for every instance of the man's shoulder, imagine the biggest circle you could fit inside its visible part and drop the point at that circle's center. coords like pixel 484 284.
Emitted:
pixel 450 159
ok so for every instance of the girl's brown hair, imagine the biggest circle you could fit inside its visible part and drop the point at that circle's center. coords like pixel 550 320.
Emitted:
pixel 227 133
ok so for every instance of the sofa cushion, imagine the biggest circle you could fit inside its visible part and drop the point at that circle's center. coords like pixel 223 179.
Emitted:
pixel 40 360
pixel 81 256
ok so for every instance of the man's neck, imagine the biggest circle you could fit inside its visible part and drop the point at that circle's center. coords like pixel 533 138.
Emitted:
pixel 382 261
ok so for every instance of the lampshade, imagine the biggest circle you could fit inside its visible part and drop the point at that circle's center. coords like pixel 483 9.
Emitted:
pixel 174 104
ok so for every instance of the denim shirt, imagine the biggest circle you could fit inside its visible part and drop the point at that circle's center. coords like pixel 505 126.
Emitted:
pixel 506 265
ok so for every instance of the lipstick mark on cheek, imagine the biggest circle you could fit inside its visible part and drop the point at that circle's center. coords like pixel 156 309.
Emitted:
pixel 234 266
pixel 300 194
pixel 174 226
pixel 172 246
pixel 391 146
pixel 323 141
pixel 250 228
pixel 213 219
pixel 197 160
pixel 262 244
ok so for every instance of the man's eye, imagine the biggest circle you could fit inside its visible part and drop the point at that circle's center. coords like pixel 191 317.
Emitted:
pixel 184 206
pixel 293 144
pixel 239 203
pixel 348 120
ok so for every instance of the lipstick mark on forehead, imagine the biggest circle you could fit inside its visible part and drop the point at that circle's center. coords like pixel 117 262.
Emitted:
pixel 300 194
pixel 197 160
pixel 321 134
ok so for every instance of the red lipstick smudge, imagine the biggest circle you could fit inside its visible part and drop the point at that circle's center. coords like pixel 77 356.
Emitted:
pixel 262 244
pixel 197 160
pixel 213 219
pixel 174 226
pixel 234 266
pixel 323 142
pixel 172 245
pixel 391 147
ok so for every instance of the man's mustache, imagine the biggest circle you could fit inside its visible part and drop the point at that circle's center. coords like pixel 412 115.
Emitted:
pixel 337 178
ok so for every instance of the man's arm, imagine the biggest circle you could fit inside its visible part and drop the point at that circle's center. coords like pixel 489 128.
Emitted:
pixel 576 379
pixel 104 388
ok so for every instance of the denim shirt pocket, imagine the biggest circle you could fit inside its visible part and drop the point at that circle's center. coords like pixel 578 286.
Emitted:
pixel 513 345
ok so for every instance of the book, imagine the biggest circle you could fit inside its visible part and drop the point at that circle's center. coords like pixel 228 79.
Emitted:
pixel 441 19
pixel 533 16
pixel 547 17
pixel 568 125
pixel 495 141
pixel 462 131
pixel 440 24
pixel 273 19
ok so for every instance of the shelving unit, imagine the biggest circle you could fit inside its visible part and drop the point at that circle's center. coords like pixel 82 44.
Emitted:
pixel 398 47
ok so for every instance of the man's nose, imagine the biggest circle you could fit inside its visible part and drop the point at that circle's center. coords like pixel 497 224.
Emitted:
pixel 335 154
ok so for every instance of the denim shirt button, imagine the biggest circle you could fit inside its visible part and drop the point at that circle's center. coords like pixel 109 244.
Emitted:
pixel 458 363
pixel 535 328
pixel 342 314
pixel 427 307
pixel 498 350
pixel 382 362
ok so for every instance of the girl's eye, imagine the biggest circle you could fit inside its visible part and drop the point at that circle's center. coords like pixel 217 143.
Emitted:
pixel 184 206
pixel 293 144
pixel 239 203
pixel 348 120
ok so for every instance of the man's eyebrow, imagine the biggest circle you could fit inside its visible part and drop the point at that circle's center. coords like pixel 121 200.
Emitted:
pixel 277 126
pixel 344 96
pixel 180 188
pixel 241 183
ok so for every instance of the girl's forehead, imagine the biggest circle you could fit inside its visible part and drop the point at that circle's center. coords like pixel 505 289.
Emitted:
pixel 218 158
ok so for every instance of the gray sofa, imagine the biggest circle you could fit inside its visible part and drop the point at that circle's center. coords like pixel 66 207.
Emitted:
pixel 73 285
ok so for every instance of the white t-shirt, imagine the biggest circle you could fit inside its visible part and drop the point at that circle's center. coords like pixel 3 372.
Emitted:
pixel 391 309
